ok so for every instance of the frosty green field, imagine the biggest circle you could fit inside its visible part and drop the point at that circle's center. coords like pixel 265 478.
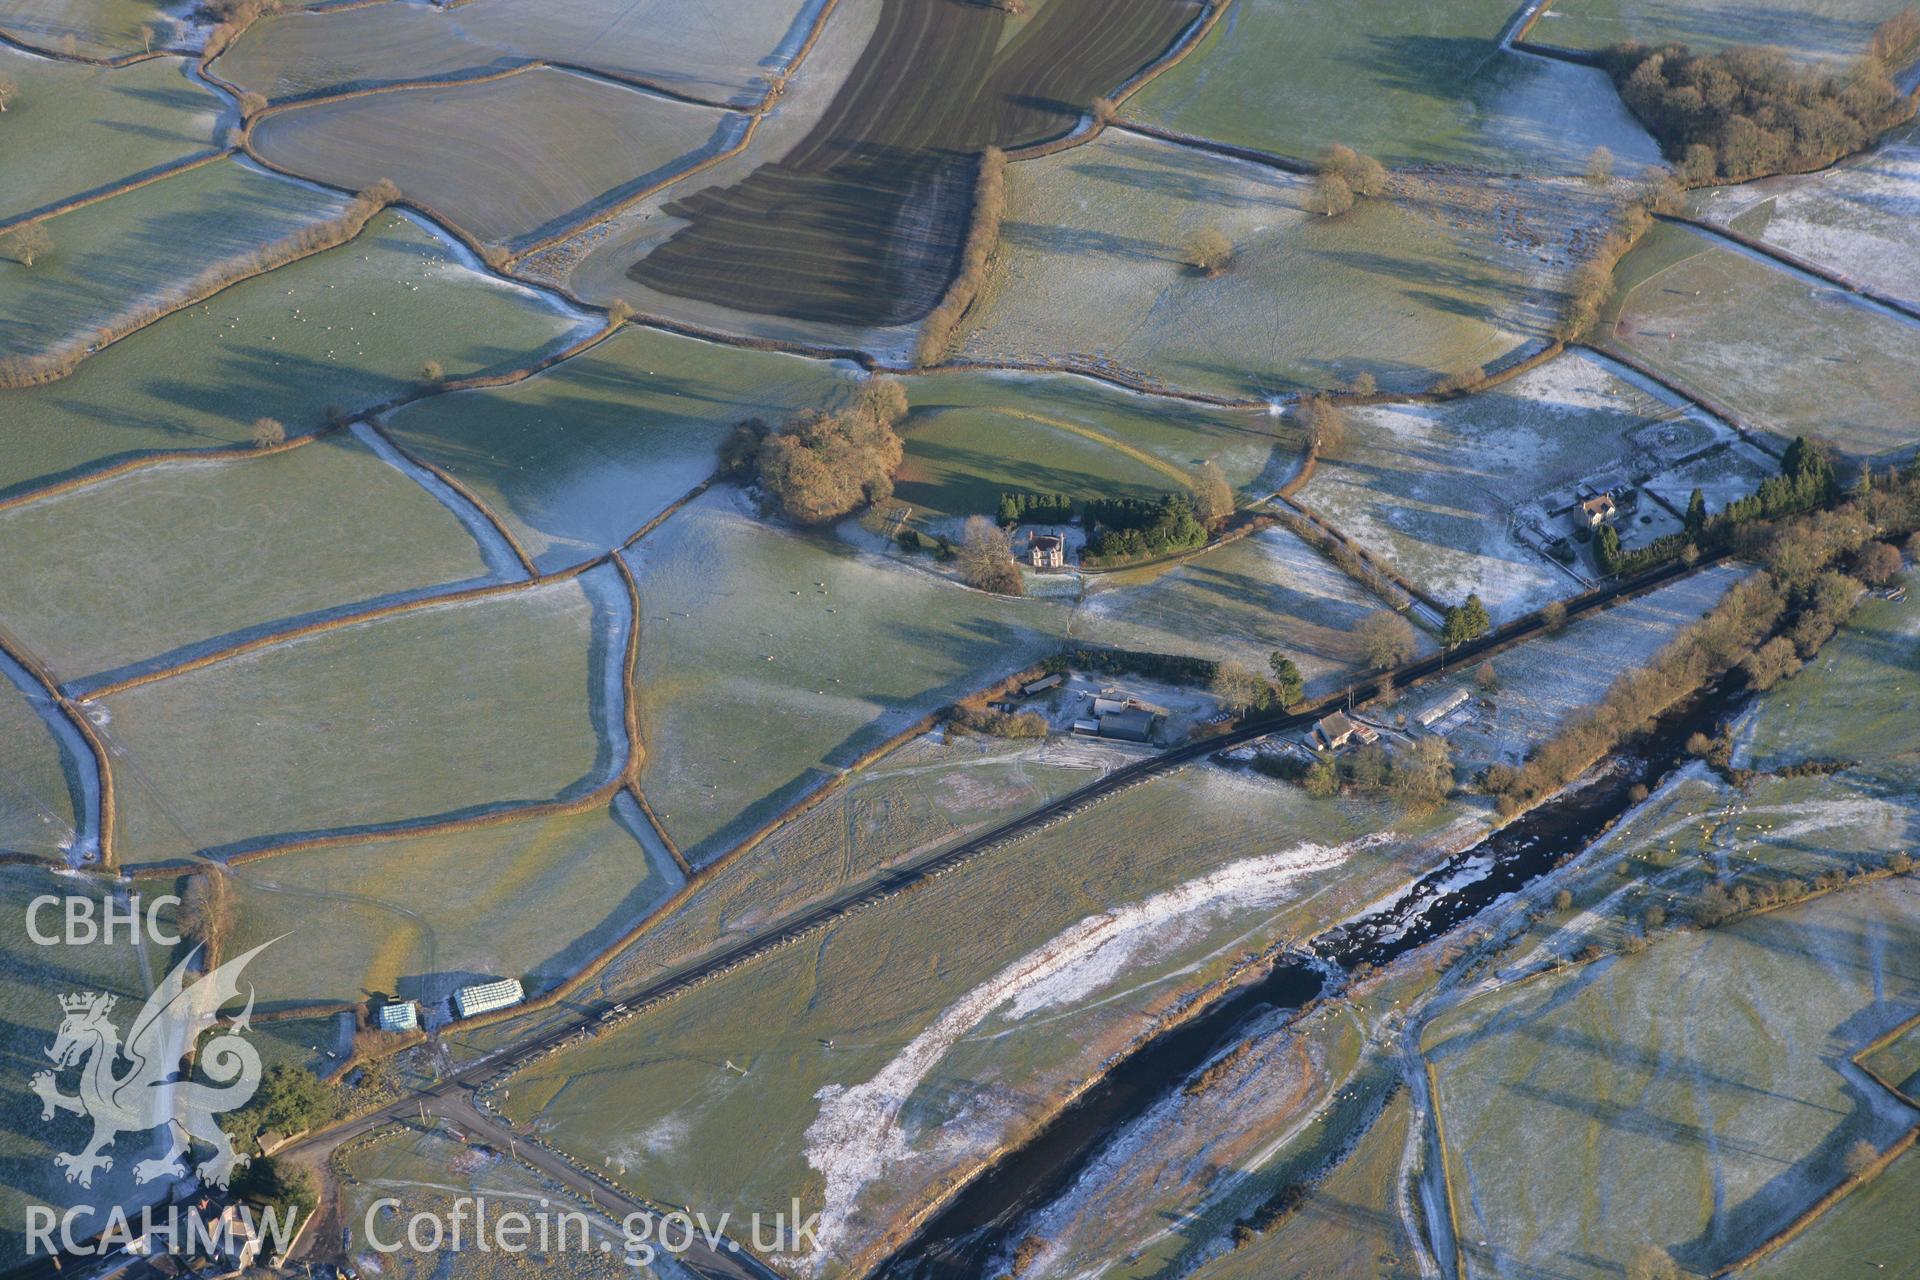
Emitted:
pixel 1267 592
pixel 1553 1091
pixel 1856 218
pixel 36 799
pixel 1828 31
pixel 578 458
pixel 974 436
pixel 1092 265
pixel 414 918
pixel 72 130
pixel 1411 83
pixel 557 147
pixel 721 50
pixel 448 710
pixel 1436 489
pixel 341 330
pixel 1790 351
pixel 188 551
pixel 146 248
pixel 770 659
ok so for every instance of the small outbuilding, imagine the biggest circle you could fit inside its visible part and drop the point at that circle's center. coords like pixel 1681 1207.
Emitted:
pixel 1043 684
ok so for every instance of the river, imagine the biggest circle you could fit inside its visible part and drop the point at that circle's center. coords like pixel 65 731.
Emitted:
pixel 985 1219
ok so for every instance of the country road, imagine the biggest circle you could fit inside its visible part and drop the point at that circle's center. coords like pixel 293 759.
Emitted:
pixel 453 1097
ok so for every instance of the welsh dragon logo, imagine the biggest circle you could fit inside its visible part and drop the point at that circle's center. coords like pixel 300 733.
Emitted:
pixel 149 1092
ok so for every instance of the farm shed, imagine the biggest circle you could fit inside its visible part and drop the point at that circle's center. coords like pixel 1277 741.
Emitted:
pixel 484 997
pixel 1441 708
pixel 1132 725
pixel 1041 685
pixel 399 1015
pixel 1337 730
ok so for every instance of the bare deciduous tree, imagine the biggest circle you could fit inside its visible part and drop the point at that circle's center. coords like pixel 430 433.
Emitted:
pixel 1330 197
pixel 9 90
pixel 1386 639
pixel 1212 495
pixel 29 244
pixel 1209 252
pixel 267 432
pixel 1599 166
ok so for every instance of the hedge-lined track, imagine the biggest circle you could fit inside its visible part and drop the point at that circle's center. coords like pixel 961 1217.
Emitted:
pixel 872 206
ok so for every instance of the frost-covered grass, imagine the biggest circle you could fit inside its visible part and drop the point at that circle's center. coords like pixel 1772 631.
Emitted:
pixel 318 1044
pixel 1874 1228
pixel 429 1172
pixel 580 457
pixel 769 659
pixel 1412 83
pixel 1722 477
pixel 974 436
pixel 1854 702
pixel 1793 354
pixel 36 798
pixel 952 1019
pixel 97 28
pixel 923 797
pixel 1635 1099
pixel 145 248
pixel 1831 31
pixel 1447 274
pixel 418 917
pixel 1857 218
pixel 342 329
pixel 1552 677
pixel 1242 601
pixel 32 980
pixel 74 129
pixel 720 50
pixel 512 160
pixel 1349 1224
pixel 146 563
pixel 447 710
pixel 1433 488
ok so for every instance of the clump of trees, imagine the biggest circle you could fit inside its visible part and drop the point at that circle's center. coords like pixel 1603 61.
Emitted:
pixel 1465 622
pixel 977 717
pixel 983 234
pixel 1131 529
pixel 267 433
pixel 290 1099
pixel 230 18
pixel 1034 508
pixel 1212 495
pixel 1341 176
pixel 1418 777
pixel 1289 686
pixel 278 1184
pixel 1806 480
pixel 823 464
pixel 1742 113
pixel 1325 424
pixel 986 559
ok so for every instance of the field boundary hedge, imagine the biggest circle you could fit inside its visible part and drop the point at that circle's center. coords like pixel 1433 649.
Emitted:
pixel 102 766
pixel 478 503
pixel 1789 258
pixel 314 238
pixel 102 194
